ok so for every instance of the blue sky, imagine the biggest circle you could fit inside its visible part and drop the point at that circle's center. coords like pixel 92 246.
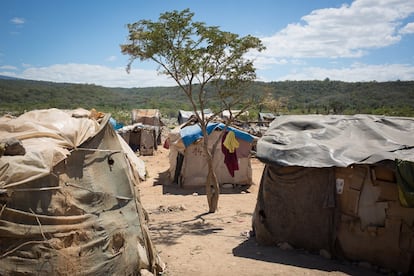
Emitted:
pixel 78 41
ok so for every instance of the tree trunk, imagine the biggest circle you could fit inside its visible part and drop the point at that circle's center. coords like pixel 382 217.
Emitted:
pixel 212 185
pixel 212 188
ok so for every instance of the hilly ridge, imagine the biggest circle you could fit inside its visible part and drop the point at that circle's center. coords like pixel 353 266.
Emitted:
pixel 302 97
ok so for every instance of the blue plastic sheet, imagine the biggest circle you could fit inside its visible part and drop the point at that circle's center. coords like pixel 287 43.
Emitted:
pixel 190 134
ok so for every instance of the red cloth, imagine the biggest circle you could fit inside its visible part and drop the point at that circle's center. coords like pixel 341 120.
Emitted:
pixel 166 144
pixel 230 159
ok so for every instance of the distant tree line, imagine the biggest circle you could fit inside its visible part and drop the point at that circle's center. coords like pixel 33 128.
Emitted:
pixel 394 98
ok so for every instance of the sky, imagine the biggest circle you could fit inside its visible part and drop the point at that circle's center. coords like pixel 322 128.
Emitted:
pixel 78 41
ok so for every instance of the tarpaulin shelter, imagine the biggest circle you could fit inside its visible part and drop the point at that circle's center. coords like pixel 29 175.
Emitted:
pixel 225 114
pixel 69 203
pixel 184 116
pixel 144 133
pixel 151 117
pixel 141 138
pixel 188 165
pixel 265 118
pixel 339 183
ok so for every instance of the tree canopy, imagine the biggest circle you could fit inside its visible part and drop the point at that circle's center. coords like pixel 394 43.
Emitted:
pixel 195 55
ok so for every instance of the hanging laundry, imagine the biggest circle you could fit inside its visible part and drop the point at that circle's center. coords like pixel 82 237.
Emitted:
pixel 230 158
pixel 230 142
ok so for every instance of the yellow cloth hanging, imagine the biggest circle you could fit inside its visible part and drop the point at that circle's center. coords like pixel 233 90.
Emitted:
pixel 230 142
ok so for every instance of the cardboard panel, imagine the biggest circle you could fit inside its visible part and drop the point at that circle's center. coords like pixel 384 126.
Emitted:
pixel 388 191
pixel 351 202
pixel 407 237
pixel 147 142
pixel 382 173
pixel 397 211
pixel 348 198
pixel 371 212
pixel 358 177
pixel 376 245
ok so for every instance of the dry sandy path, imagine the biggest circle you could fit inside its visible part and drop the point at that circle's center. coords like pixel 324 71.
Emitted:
pixel 192 242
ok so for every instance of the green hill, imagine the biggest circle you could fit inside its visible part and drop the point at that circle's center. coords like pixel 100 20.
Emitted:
pixel 302 97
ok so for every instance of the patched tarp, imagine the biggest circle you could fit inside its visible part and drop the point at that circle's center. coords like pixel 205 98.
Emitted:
pixel 144 134
pixel 336 140
pixel 354 213
pixel 266 116
pixel 188 165
pixel 151 117
pixel 184 116
pixel 336 183
pixel 142 138
pixel 296 205
pixel 70 204
pixel 405 181
pixel 192 133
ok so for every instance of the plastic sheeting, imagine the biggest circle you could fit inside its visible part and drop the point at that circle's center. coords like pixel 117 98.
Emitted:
pixel 338 175
pixel 188 164
pixel 47 136
pixel 70 205
pixel 336 140
pixel 192 133
pixel 151 117
pixel 296 205
pixel 405 180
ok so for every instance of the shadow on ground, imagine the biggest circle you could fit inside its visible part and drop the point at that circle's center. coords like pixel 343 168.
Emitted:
pixel 168 232
pixel 175 189
pixel 298 258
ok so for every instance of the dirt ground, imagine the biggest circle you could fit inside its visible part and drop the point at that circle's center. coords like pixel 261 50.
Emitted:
pixel 193 242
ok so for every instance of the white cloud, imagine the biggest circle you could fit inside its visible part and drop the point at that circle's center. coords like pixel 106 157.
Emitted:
pixel 357 72
pixel 8 74
pixel 262 62
pixel 117 77
pixel 408 29
pixel 96 74
pixel 111 58
pixel 347 31
pixel 8 67
pixel 18 20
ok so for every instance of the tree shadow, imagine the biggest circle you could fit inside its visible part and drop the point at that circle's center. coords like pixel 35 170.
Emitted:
pixel 168 232
pixel 299 258
pixel 162 179
pixel 174 189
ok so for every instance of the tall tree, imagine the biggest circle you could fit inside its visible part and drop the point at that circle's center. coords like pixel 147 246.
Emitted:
pixel 204 61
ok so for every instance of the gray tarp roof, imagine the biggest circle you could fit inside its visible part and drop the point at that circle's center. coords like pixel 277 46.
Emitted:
pixel 336 140
pixel 184 116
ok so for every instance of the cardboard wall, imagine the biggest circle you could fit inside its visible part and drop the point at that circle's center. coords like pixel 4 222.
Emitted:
pixel 373 226
pixel 366 223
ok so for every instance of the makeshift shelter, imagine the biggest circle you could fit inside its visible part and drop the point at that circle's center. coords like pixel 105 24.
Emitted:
pixel 151 117
pixel 142 138
pixel 188 165
pixel 184 116
pixel 265 118
pixel 69 202
pixel 343 184
pixel 225 114
pixel 144 134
